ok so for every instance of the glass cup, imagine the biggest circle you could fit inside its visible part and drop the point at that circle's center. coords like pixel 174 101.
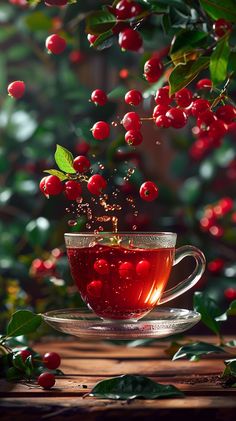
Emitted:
pixel 123 276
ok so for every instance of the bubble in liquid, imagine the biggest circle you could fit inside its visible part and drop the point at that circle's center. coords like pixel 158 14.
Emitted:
pixel 72 222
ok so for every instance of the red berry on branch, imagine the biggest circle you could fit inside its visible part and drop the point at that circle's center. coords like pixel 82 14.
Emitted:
pixel 53 185
pixel 136 9
pixel 148 191
pixel 81 164
pixel 177 117
pixel 119 27
pixel 131 121
pixel 204 84
pixel 230 293
pixel 163 121
pixel 99 97
pixel 37 267
pixel 217 130
pixel 183 97
pixel 123 9
pixel 215 266
pixel 221 27
pixel 133 97
pixel 82 148
pixel 198 106
pixel 24 353
pixel 42 185
pixel 226 204
pixel 101 266
pixel 55 44
pixel 153 69
pixel 94 289
pixel 76 57
pixel 227 113
pixel 92 38
pixel 160 110
pixel 46 380
pixel 130 39
pixel 162 96
pixel 16 89
pixel 101 130
pixel 133 137
pixel 205 118
pixel 73 190
pixel 52 360
pixel 96 184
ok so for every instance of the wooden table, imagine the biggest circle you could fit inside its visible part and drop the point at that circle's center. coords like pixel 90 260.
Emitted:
pixel 85 363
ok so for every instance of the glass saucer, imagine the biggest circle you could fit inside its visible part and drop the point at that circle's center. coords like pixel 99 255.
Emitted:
pixel 159 323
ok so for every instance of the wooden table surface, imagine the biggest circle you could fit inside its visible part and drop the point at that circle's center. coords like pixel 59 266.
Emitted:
pixel 85 363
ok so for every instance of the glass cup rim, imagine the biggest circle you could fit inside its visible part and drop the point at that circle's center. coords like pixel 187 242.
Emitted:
pixel 121 233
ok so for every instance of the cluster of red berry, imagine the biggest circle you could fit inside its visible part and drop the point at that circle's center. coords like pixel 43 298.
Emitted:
pixel 50 360
pixel 214 214
pixel 44 268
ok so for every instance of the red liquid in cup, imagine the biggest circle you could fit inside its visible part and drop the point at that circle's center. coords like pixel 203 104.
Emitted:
pixel 120 283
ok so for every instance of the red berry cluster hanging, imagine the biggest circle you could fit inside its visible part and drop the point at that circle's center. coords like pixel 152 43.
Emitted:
pixel 213 218
pixel 40 268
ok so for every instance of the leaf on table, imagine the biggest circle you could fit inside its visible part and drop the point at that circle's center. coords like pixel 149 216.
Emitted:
pixel 64 160
pixel 211 314
pixel 131 387
pixel 217 9
pixel 229 373
pixel 23 322
pixel 185 73
pixel 219 62
pixel 197 349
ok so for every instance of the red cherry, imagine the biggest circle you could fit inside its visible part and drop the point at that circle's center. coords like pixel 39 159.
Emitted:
pixel 205 118
pixel 94 289
pixel 153 69
pixel 221 27
pixel 226 204
pixel 123 9
pixel 126 270
pixel 215 266
pixel 143 268
pixel 183 97
pixel 52 360
pixel 92 38
pixel 136 9
pixel 73 190
pixel 99 97
pixel 101 266
pixel 131 121
pixel 230 293
pixel 198 106
pixel 177 117
pixel 162 96
pixel 56 2
pixel 38 266
pixel 163 121
pixel 206 223
pixel 42 185
pixel 24 353
pixel 101 130
pixel 204 84
pixel 76 57
pixel 130 39
pixel 160 110
pixel 133 97
pixel 53 185
pixel 96 184
pixel 55 44
pixel 227 113
pixel 133 137
pixel 81 164
pixel 216 231
pixel 217 130
pixel 148 191
pixel 46 380
pixel 16 89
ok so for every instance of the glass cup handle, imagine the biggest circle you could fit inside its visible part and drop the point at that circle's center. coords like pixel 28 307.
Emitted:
pixel 192 279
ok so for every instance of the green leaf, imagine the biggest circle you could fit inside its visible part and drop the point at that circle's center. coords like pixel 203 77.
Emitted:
pixel 232 62
pixel 59 174
pixel 64 160
pixel 220 9
pixel 37 21
pixel 18 362
pixel 131 387
pixel 23 322
pixel 195 350
pixel 117 93
pixel 185 73
pixel 232 309
pixel 187 39
pixel 104 40
pixel 99 22
pixel 219 61
pixel 209 311
pixel 13 374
